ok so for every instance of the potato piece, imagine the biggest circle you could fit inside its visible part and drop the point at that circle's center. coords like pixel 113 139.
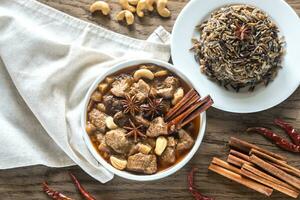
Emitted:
pixel 96 96
pixel 101 107
pixel 143 148
pixel 109 80
pixel 102 87
pixel 90 128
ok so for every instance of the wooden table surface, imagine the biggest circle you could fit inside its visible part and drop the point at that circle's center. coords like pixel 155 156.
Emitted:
pixel 25 183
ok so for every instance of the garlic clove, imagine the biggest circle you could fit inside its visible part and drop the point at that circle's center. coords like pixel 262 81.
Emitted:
pixel 161 144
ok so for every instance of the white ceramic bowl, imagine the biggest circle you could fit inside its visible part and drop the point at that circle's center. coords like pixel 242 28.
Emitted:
pixel 287 80
pixel 125 174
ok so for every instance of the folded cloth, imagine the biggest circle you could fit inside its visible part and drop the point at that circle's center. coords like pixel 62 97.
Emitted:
pixel 47 62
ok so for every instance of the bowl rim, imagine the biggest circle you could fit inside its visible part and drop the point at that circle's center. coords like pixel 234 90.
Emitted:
pixel 125 174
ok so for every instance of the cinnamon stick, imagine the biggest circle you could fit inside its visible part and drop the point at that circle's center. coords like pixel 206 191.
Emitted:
pixel 246 147
pixel 239 154
pixel 242 180
pixel 226 165
pixel 191 96
pixel 267 176
pixel 276 161
pixel 265 156
pixel 268 183
pixel 286 169
pixel 237 161
pixel 275 171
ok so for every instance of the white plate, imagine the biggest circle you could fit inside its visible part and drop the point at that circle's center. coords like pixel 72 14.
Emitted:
pixel 287 80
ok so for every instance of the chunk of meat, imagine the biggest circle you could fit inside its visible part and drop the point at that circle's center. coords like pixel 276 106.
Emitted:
pixel 121 85
pixel 112 104
pixel 166 93
pixel 140 89
pixel 142 163
pixel 151 142
pixel 185 141
pixel 102 147
pixel 141 120
pixel 133 150
pixel 172 142
pixel 155 84
pixel 166 105
pixel 140 148
pixel 107 100
pixel 168 156
pixel 157 127
pixel 100 137
pixel 117 140
pixel 97 118
pixel 168 88
pixel 121 119
pixel 91 105
pixel 171 81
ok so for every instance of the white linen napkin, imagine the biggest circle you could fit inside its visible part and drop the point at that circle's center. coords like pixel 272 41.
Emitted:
pixel 47 62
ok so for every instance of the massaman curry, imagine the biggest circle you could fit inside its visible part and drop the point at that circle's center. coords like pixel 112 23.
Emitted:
pixel 136 123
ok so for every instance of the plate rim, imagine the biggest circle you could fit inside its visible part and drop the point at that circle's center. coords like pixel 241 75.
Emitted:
pixel 191 4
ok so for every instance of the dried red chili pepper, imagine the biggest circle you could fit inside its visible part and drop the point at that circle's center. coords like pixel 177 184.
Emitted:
pixel 290 130
pixel 54 194
pixel 279 141
pixel 197 195
pixel 81 189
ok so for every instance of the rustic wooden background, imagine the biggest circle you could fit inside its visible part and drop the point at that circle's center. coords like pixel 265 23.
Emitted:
pixel 25 183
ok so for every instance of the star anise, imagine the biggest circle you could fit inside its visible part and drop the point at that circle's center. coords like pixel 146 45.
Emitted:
pixel 134 131
pixel 242 31
pixel 131 105
pixel 153 108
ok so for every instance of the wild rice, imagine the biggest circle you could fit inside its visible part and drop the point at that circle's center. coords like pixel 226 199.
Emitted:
pixel 239 46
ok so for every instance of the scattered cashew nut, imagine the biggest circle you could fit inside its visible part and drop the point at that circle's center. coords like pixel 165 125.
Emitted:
pixel 143 73
pixel 161 73
pixel 100 6
pixel 178 95
pixel 133 2
pixel 150 4
pixel 127 15
pixel 160 146
pixel 125 5
pixel 117 163
pixel 162 8
pixel 109 122
pixel 140 7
